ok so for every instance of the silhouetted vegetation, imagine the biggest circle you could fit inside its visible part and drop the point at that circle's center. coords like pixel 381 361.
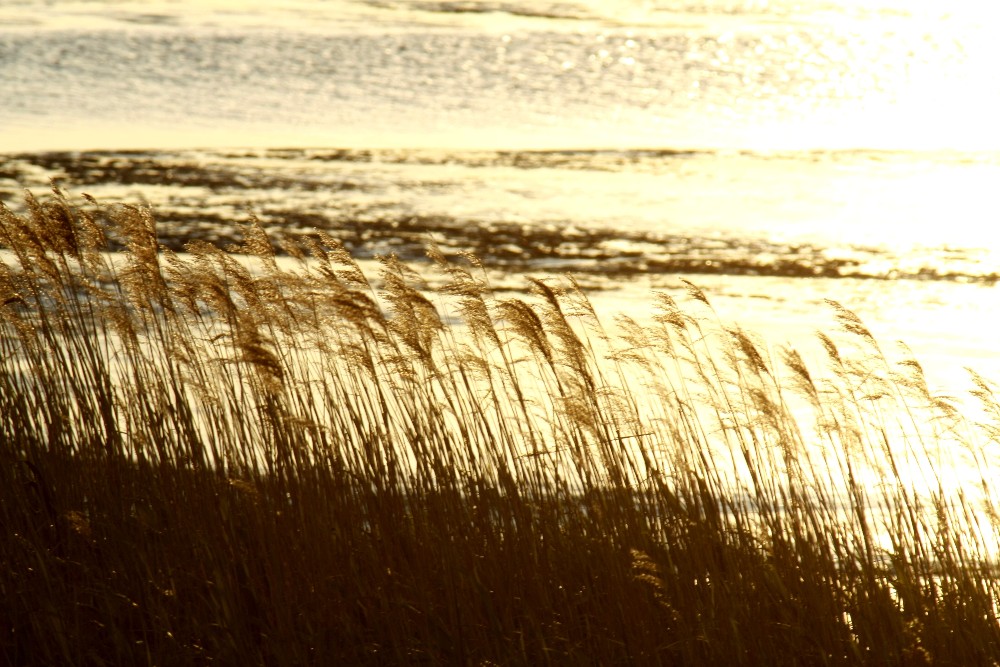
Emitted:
pixel 225 456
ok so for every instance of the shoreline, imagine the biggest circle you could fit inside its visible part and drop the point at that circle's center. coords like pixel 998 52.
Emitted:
pixel 370 201
pixel 200 194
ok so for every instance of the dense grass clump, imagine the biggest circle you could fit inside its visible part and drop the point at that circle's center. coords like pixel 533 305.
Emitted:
pixel 223 456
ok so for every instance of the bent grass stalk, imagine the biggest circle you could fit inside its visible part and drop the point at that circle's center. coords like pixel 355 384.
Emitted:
pixel 226 455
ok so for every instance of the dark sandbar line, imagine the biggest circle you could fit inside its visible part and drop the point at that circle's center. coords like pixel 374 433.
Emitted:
pixel 238 188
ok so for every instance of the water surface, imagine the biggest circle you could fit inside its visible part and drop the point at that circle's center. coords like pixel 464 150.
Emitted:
pixel 778 152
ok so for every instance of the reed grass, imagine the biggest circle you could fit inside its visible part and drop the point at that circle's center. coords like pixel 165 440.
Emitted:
pixel 226 456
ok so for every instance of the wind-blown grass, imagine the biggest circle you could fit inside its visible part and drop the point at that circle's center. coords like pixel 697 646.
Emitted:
pixel 218 456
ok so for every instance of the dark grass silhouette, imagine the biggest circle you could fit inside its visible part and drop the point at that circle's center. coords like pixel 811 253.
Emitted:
pixel 226 456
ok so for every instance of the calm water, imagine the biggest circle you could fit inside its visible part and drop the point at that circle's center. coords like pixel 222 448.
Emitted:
pixel 778 152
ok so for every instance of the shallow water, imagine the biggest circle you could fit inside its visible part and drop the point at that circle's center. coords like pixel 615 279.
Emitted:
pixel 777 153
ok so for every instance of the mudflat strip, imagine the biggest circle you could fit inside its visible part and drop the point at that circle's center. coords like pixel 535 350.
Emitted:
pixel 372 202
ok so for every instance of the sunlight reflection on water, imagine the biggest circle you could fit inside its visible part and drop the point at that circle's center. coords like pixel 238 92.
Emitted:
pixel 846 124
pixel 709 75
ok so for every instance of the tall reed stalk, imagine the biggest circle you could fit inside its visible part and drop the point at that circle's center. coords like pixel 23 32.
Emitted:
pixel 232 456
